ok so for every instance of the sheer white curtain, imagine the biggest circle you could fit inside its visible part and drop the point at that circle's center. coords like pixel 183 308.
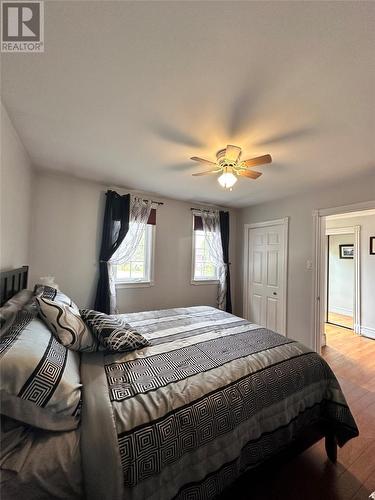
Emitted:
pixel 138 216
pixel 212 234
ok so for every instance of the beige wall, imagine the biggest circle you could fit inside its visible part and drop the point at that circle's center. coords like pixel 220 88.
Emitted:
pixel 15 194
pixel 367 225
pixel 299 210
pixel 66 227
pixel 66 231
pixel 340 290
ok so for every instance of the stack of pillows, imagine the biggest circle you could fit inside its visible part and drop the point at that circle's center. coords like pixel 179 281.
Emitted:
pixel 85 330
pixel 40 336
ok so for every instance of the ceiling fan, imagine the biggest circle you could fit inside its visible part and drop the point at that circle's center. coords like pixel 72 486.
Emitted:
pixel 229 164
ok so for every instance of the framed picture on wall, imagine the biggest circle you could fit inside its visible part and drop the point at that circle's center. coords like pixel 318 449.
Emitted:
pixel 372 245
pixel 346 251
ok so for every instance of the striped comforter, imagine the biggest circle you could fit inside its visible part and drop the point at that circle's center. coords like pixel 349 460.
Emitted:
pixel 213 396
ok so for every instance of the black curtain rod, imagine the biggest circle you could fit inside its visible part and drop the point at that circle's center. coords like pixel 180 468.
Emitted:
pixel 152 201
pixel 202 209
pixel 156 202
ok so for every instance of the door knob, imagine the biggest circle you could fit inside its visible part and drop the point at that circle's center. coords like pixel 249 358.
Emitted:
pixel 274 293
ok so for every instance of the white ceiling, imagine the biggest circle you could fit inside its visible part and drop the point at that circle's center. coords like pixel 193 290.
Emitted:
pixel 126 92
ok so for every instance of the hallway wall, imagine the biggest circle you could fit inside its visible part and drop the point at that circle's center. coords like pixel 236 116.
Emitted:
pixel 340 276
pixel 367 277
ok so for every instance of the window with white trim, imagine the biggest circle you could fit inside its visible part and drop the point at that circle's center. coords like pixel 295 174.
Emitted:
pixel 204 270
pixel 138 270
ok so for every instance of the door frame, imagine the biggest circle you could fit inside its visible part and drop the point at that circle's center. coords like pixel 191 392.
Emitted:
pixel 356 230
pixel 319 252
pixel 284 223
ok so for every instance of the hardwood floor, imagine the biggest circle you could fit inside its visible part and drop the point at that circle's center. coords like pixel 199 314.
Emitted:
pixel 352 358
pixel 311 476
pixel 340 319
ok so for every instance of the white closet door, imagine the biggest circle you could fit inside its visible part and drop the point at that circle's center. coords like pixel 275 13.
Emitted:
pixel 266 260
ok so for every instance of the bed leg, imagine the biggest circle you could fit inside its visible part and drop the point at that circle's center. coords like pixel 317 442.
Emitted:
pixel 331 447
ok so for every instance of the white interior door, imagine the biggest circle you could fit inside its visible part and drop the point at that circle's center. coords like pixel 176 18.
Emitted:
pixel 265 285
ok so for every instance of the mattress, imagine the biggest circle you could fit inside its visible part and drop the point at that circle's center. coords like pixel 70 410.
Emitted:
pixel 212 397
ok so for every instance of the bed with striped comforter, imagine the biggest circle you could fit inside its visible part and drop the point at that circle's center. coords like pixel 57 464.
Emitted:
pixel 212 397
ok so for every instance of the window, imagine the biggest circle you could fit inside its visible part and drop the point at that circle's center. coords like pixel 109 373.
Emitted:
pixel 138 270
pixel 204 269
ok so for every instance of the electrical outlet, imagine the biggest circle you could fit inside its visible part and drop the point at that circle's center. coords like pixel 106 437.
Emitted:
pixel 309 265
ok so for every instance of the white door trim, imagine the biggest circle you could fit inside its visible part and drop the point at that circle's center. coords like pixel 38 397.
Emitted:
pixel 355 207
pixel 356 230
pixel 247 227
pixel 341 230
pixel 276 222
pixel 318 290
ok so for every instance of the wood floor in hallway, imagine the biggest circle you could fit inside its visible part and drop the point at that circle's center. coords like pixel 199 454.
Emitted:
pixel 340 319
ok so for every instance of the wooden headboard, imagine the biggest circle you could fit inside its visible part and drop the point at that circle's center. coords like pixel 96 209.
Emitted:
pixel 11 282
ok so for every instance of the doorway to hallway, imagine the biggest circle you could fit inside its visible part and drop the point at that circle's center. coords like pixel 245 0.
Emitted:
pixel 340 277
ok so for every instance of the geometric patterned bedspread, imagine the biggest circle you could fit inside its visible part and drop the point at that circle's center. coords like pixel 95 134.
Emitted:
pixel 213 396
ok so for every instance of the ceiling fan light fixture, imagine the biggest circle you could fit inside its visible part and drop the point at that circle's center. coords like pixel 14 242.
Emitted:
pixel 227 179
pixel 230 166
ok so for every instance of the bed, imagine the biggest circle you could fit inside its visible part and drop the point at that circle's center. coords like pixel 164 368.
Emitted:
pixel 212 398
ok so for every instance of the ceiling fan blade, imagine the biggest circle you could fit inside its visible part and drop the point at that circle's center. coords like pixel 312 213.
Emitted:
pixel 202 160
pixel 259 160
pixel 232 153
pixel 206 172
pixel 249 173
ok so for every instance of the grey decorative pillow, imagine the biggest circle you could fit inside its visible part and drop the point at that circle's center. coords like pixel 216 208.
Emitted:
pixel 112 333
pixel 66 324
pixel 40 379
pixel 22 300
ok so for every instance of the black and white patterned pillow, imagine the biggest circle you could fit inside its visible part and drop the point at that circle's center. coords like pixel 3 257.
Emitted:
pixel 50 293
pixel 22 300
pixel 40 379
pixel 113 334
pixel 66 324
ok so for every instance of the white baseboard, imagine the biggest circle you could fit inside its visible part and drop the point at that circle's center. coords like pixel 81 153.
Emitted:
pixel 341 310
pixel 366 331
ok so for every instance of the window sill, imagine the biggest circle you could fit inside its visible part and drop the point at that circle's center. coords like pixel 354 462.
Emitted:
pixel 134 284
pixel 204 282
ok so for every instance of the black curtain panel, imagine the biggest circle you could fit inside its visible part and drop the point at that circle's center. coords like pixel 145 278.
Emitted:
pixel 198 223
pixel 115 227
pixel 224 230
